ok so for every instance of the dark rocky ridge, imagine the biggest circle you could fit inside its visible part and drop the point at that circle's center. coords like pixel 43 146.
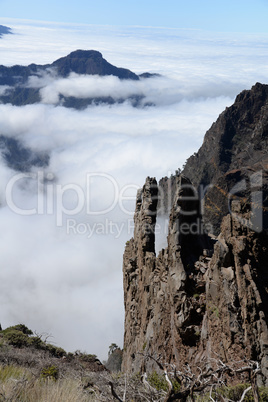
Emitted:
pixel 5 30
pixel 234 149
pixel 80 62
pixel 202 297
pixel 88 62
pixel 20 158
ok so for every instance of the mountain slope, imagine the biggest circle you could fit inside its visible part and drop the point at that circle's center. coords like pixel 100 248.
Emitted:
pixel 20 91
pixel 89 62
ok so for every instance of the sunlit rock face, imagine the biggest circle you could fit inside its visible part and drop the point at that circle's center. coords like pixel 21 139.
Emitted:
pixel 204 297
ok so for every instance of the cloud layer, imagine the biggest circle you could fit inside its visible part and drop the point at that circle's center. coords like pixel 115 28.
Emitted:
pixel 65 277
pixel 159 91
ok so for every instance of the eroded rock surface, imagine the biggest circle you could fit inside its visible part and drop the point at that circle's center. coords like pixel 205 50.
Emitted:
pixel 203 297
pixel 234 149
pixel 199 298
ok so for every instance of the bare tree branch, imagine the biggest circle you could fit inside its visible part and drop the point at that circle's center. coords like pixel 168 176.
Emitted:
pixel 114 393
pixel 244 393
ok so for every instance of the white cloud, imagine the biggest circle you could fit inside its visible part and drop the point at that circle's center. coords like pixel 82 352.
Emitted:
pixel 83 86
pixel 42 79
pixel 66 279
pixel 155 90
pixel 70 284
pixel 4 89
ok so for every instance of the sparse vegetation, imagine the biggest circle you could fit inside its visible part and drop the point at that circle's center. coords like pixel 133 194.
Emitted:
pixel 20 336
pixel 214 310
pixel 234 394
pixel 30 372
pixel 51 372
pixel 158 381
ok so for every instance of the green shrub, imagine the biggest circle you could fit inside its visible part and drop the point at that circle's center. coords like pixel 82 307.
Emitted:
pixel 36 342
pixel 263 394
pixel 19 327
pixel 85 357
pixel 158 381
pixel 17 335
pixel 23 328
pixel 54 350
pixel 235 392
pixel 51 372
pixel 16 338
pixel 20 336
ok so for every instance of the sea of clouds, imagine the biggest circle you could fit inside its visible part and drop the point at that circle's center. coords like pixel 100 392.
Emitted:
pixel 64 228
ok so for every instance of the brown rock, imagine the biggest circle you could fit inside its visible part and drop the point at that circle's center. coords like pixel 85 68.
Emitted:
pixel 175 311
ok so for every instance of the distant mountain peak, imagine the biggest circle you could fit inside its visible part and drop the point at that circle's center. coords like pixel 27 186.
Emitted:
pixel 5 30
pixel 79 53
pixel 90 62
pixel 81 62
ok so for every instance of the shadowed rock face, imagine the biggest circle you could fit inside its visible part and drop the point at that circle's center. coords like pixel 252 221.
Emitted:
pixel 202 298
pixel 80 62
pixel 156 288
pixel 90 62
pixel 192 302
pixel 236 293
pixel 234 149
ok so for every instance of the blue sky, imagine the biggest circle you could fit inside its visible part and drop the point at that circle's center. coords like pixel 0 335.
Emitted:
pixel 211 15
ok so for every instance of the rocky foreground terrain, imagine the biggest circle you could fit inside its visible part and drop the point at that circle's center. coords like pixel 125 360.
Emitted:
pixel 203 299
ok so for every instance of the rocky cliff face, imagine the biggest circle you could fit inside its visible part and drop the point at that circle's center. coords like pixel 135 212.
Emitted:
pixel 202 297
pixel 234 149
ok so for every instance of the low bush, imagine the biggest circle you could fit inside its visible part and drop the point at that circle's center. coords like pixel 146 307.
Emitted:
pixel 51 372
pixel 20 336
pixel 16 338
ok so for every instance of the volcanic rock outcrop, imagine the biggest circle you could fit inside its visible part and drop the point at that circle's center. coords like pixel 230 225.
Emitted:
pixel 234 149
pixel 232 161
pixel 204 297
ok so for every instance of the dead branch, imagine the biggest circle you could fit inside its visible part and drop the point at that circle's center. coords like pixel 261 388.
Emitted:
pixel 244 393
pixel 206 377
pixel 114 393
